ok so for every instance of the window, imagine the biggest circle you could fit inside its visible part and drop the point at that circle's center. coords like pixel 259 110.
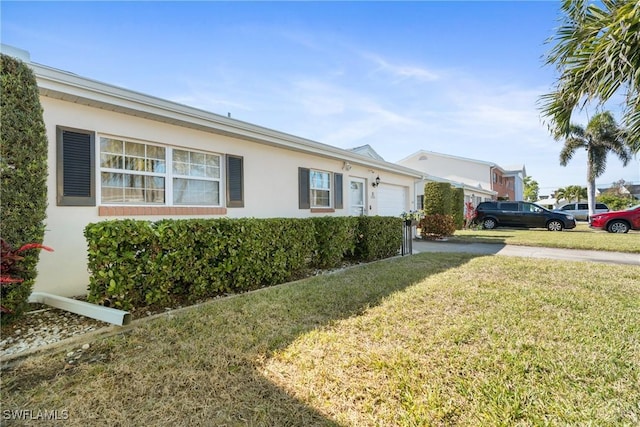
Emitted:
pixel 131 172
pixel 196 178
pixel 140 173
pixel 75 167
pixel 320 189
pixel 509 207
pixel 529 207
pixel 320 186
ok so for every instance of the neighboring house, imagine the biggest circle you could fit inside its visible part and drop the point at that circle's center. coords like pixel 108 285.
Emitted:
pixel 368 151
pixel 625 190
pixel 515 176
pixel 550 202
pixel 115 153
pixel 481 180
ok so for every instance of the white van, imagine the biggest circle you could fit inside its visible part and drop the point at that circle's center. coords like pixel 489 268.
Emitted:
pixel 580 210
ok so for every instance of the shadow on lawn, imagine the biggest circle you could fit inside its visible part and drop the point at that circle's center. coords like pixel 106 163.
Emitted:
pixel 490 244
pixel 206 366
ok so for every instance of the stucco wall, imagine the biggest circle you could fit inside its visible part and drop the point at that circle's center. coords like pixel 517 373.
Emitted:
pixel 270 183
pixel 453 169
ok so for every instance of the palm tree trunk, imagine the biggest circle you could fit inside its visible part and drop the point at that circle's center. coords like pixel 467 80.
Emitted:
pixel 591 197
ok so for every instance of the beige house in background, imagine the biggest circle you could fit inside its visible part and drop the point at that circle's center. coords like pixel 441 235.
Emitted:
pixel 481 180
pixel 116 153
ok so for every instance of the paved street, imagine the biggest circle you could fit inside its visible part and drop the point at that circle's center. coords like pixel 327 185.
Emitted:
pixel 527 251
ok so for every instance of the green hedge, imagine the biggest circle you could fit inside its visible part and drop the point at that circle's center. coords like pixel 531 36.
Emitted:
pixel 457 207
pixel 442 200
pixel 437 198
pixel 437 226
pixel 335 240
pixel 378 237
pixel 23 169
pixel 136 263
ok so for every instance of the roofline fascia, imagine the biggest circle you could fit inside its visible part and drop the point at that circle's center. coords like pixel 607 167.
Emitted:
pixel 67 85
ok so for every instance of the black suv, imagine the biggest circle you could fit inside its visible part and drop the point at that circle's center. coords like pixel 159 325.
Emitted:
pixel 521 214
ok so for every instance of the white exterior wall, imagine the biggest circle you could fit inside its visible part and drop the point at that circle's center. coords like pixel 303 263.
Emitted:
pixel 453 169
pixel 270 183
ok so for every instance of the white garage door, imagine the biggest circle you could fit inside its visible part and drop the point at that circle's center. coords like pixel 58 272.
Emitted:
pixel 392 200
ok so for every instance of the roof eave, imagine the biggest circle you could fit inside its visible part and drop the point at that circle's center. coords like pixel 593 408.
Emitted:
pixel 69 87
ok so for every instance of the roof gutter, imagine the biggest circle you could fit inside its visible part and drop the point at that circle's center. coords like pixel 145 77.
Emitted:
pixel 70 87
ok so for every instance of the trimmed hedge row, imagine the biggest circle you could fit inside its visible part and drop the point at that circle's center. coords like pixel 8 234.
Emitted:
pixel 136 263
pixel 23 175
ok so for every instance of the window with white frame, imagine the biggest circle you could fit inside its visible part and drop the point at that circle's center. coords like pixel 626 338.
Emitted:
pixel 320 186
pixel 196 178
pixel 137 173
pixel 131 172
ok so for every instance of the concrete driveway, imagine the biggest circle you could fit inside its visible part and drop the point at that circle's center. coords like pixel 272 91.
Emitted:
pixel 527 251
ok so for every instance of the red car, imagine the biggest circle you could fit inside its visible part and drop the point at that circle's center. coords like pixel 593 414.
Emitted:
pixel 617 221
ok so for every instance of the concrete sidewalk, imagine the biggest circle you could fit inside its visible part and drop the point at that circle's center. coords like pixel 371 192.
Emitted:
pixel 527 251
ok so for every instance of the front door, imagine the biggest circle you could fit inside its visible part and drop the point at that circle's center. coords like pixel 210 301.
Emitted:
pixel 357 203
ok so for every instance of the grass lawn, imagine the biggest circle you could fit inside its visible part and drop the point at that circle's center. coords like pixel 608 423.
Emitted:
pixel 581 237
pixel 432 339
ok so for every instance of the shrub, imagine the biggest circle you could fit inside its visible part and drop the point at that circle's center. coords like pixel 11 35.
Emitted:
pixel 437 226
pixel 437 198
pixel 335 240
pixel 615 202
pixel 469 214
pixel 136 263
pixel 10 270
pixel 119 258
pixel 378 237
pixel 23 173
pixel 457 207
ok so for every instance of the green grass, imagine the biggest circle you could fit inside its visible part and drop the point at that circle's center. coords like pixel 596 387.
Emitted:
pixel 581 237
pixel 432 339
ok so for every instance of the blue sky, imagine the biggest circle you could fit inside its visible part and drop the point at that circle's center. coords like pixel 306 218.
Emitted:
pixel 461 78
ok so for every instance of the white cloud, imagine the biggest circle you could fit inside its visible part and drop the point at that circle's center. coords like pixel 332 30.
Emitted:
pixel 401 72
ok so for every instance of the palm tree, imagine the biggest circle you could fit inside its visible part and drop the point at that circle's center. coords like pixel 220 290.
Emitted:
pixel 601 136
pixel 561 194
pixel 596 52
pixel 577 192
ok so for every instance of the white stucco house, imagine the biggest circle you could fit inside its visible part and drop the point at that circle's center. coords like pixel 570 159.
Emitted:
pixel 480 179
pixel 116 153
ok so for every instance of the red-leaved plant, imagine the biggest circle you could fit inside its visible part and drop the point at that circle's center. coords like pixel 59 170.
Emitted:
pixel 469 214
pixel 9 266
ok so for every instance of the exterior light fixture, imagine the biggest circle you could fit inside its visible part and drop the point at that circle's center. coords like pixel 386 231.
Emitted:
pixel 377 182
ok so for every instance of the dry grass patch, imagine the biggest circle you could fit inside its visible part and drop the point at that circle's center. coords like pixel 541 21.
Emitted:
pixel 433 339
pixel 494 342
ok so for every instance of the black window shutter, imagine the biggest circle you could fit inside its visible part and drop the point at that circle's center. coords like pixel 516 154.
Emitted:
pixel 304 199
pixel 75 167
pixel 337 183
pixel 235 181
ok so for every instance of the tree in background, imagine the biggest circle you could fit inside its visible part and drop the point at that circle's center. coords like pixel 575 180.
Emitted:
pixel 599 138
pixel 617 197
pixel 571 193
pixel 616 202
pixel 531 189
pixel 596 53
